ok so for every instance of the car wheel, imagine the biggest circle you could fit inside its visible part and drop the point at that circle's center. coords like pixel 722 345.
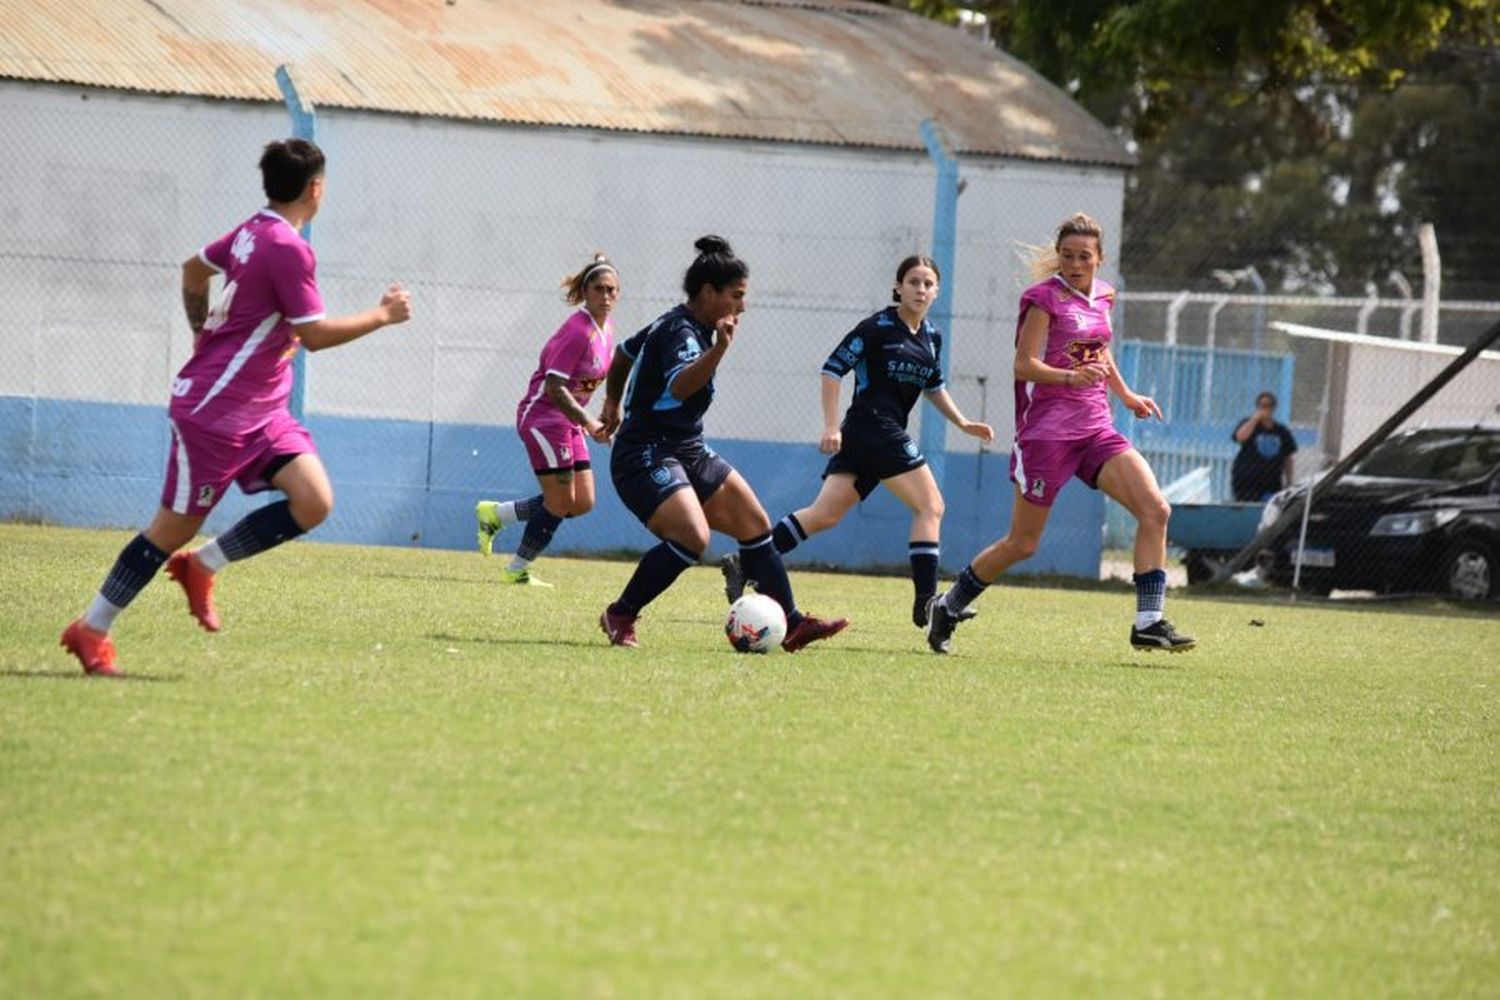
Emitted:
pixel 1468 570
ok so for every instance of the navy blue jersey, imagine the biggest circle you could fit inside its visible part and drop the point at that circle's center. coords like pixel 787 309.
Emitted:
pixel 892 367
pixel 660 351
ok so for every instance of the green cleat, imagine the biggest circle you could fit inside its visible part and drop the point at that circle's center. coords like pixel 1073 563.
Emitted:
pixel 487 513
pixel 521 577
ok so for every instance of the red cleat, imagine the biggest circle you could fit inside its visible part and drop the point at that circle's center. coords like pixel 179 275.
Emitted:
pixel 811 629
pixel 619 628
pixel 198 584
pixel 94 649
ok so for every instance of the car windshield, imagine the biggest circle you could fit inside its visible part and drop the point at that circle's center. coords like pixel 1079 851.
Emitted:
pixel 1454 456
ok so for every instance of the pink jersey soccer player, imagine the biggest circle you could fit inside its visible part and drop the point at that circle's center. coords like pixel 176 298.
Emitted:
pixel 552 421
pixel 1064 371
pixel 229 403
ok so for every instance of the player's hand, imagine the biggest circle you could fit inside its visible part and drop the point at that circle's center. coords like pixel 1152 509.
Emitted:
pixel 974 428
pixel 1143 407
pixel 831 441
pixel 1090 374
pixel 396 303
pixel 724 332
pixel 609 416
pixel 596 430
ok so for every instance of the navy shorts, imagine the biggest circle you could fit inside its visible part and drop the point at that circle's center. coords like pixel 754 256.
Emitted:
pixel 645 473
pixel 872 454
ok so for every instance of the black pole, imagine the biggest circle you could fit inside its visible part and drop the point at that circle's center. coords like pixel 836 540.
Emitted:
pixel 1293 511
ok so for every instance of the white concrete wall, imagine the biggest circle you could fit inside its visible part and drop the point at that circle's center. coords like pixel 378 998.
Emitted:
pixel 105 194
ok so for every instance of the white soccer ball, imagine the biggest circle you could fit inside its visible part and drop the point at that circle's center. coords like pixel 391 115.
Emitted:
pixel 756 624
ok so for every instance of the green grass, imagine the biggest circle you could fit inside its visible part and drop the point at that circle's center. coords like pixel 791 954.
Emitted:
pixel 390 776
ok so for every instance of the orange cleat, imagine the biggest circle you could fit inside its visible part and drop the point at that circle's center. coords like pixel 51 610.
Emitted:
pixel 198 584
pixel 811 629
pixel 94 649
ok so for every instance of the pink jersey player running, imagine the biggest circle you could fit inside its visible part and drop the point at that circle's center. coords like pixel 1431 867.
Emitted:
pixel 552 421
pixel 1064 372
pixel 228 410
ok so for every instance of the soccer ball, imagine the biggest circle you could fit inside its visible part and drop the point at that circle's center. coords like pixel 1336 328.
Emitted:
pixel 756 624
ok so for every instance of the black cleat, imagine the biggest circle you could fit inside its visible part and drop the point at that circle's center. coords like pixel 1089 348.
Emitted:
pixel 1161 635
pixel 919 611
pixel 734 579
pixel 940 624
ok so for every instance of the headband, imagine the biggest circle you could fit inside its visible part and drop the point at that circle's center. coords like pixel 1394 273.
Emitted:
pixel 592 269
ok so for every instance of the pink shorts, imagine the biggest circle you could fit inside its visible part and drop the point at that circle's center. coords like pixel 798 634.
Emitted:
pixel 554 445
pixel 1040 468
pixel 202 463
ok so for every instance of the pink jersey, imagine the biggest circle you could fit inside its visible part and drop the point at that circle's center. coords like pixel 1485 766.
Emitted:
pixel 241 374
pixel 580 351
pixel 1078 332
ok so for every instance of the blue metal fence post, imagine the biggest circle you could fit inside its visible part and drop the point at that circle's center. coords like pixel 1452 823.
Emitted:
pixel 304 126
pixel 944 239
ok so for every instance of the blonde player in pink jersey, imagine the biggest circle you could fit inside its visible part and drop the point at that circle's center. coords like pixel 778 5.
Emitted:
pixel 1064 372
pixel 551 420
pixel 229 403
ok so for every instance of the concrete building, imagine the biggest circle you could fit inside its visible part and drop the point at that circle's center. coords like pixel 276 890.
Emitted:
pixel 478 152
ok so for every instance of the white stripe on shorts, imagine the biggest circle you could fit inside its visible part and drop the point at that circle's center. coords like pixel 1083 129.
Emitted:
pixel 1020 466
pixel 184 489
pixel 546 446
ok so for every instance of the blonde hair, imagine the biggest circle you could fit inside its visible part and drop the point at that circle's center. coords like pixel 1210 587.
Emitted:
pixel 1042 262
pixel 574 285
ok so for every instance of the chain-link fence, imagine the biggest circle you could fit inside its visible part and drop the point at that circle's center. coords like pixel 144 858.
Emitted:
pixel 1422 514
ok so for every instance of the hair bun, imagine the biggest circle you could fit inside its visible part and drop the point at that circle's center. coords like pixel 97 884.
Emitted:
pixel 712 244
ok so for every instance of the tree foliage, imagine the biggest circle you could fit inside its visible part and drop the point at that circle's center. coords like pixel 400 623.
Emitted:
pixel 1307 137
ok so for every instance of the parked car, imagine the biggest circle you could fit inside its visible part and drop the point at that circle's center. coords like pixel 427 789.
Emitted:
pixel 1420 513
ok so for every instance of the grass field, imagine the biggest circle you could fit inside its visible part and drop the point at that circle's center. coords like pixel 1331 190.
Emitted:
pixel 390 776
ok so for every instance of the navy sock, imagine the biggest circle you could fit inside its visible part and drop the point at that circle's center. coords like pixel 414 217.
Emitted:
pixel 1150 596
pixel 966 590
pixel 761 563
pixel 259 530
pixel 788 533
pixel 658 569
pixel 924 567
pixel 137 564
pixel 539 530
pixel 528 508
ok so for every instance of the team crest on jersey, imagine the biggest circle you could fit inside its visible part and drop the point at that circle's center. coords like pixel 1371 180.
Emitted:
pixel 1085 352
pixel 689 351
pixel 206 496
pixel 661 475
pixel 243 245
pixel 1038 487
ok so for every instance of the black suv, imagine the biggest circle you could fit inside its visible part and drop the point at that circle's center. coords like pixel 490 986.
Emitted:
pixel 1420 513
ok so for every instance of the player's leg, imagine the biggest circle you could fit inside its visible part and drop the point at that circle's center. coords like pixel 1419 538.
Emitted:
pixel 679 522
pixel 1128 479
pixel 919 492
pixel 1027 523
pixel 734 509
pixel 87 637
pixel 558 497
pixel 836 496
pixel 545 443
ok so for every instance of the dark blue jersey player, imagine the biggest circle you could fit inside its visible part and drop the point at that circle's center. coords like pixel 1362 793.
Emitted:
pixel 661 468
pixel 895 356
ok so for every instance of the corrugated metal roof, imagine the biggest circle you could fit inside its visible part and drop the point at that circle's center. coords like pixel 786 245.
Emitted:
pixel 839 72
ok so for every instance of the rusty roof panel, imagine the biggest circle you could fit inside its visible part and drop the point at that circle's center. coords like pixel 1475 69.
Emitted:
pixel 839 72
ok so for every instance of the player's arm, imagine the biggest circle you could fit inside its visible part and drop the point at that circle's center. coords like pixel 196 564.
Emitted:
pixel 944 404
pixel 556 388
pixel 696 375
pixel 321 334
pixel 833 436
pixel 1243 431
pixel 614 387
pixel 1141 406
pixel 196 276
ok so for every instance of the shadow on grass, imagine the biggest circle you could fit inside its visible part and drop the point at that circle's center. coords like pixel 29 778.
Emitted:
pixel 488 640
pixel 433 578
pixel 79 675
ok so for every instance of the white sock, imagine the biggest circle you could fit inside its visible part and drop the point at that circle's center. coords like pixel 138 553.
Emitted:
pixel 1145 619
pixel 101 614
pixel 211 557
pixel 507 512
pixel 517 564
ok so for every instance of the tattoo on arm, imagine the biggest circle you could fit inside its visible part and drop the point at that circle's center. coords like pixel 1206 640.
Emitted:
pixel 195 304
